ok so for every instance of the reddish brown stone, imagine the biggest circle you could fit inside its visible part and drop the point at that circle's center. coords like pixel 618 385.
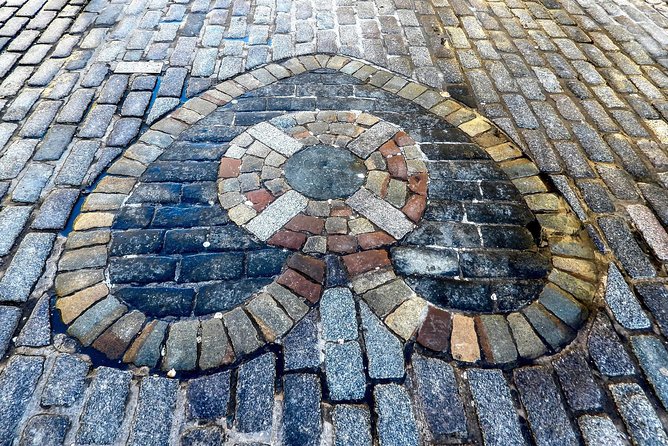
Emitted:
pixel 396 165
pixel 309 266
pixel 435 330
pixel 402 139
pixel 213 98
pixel 260 198
pixel 390 148
pixel 288 239
pixel 341 211
pixel 300 285
pixel 414 207
pixel 131 353
pixel 342 244
pixel 302 222
pixel 372 240
pixel 115 340
pixel 418 183
pixel 229 168
pixel 301 135
pixel 364 261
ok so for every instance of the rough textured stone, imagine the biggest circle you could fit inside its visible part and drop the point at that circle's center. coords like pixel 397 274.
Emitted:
pixel 26 267
pixel 345 371
pixel 396 421
pixel 104 408
pixel 17 385
pixel 66 381
pixel 640 418
pixel 338 315
pixel 302 423
pixel 155 411
pixel 255 394
pixel 352 425
pixel 208 396
pixel 623 304
pixel 497 416
pixel 653 359
pixel 300 346
pixel 383 350
pixel 439 400
pixel 45 430
pixel 547 416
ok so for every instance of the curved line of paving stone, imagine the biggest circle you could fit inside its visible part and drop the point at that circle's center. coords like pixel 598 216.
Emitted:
pixel 93 314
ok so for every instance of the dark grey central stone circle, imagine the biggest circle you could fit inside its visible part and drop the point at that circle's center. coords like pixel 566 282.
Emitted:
pixel 325 172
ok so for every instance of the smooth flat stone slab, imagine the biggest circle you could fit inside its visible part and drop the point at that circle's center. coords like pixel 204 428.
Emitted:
pixel 380 212
pixel 325 172
pixel 373 138
pixel 275 139
pixel 277 214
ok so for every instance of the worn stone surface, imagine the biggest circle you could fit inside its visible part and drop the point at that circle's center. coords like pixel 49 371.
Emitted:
pixel 578 86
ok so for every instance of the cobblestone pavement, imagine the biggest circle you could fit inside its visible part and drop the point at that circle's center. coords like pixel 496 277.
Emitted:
pixel 391 222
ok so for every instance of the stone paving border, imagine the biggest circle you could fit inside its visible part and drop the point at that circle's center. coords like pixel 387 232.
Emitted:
pixel 572 282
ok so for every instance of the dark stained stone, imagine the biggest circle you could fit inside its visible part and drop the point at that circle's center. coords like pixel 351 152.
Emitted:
pixel 17 384
pixel 581 390
pixel 266 262
pixel 45 430
pixel 155 411
pixel 438 397
pixel 325 172
pixel 214 266
pixel 158 301
pixel 223 296
pixel 104 409
pixel 208 396
pixel 548 419
pixel 255 394
pixel 203 436
pixel 142 269
pixel 302 423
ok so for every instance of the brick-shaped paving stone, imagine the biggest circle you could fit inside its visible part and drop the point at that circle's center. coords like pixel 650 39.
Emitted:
pixel 352 425
pixel 438 398
pixel 345 371
pixel 255 394
pixel 104 408
pixel 396 419
pixel 19 379
pixel 302 418
pixel 155 411
pixel 545 410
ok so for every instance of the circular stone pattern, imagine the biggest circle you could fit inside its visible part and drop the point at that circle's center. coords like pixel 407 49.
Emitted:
pixel 324 182
pixel 152 226
pixel 325 172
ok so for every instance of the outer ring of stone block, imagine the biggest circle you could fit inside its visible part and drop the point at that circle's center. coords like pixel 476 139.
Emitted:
pixel 557 224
